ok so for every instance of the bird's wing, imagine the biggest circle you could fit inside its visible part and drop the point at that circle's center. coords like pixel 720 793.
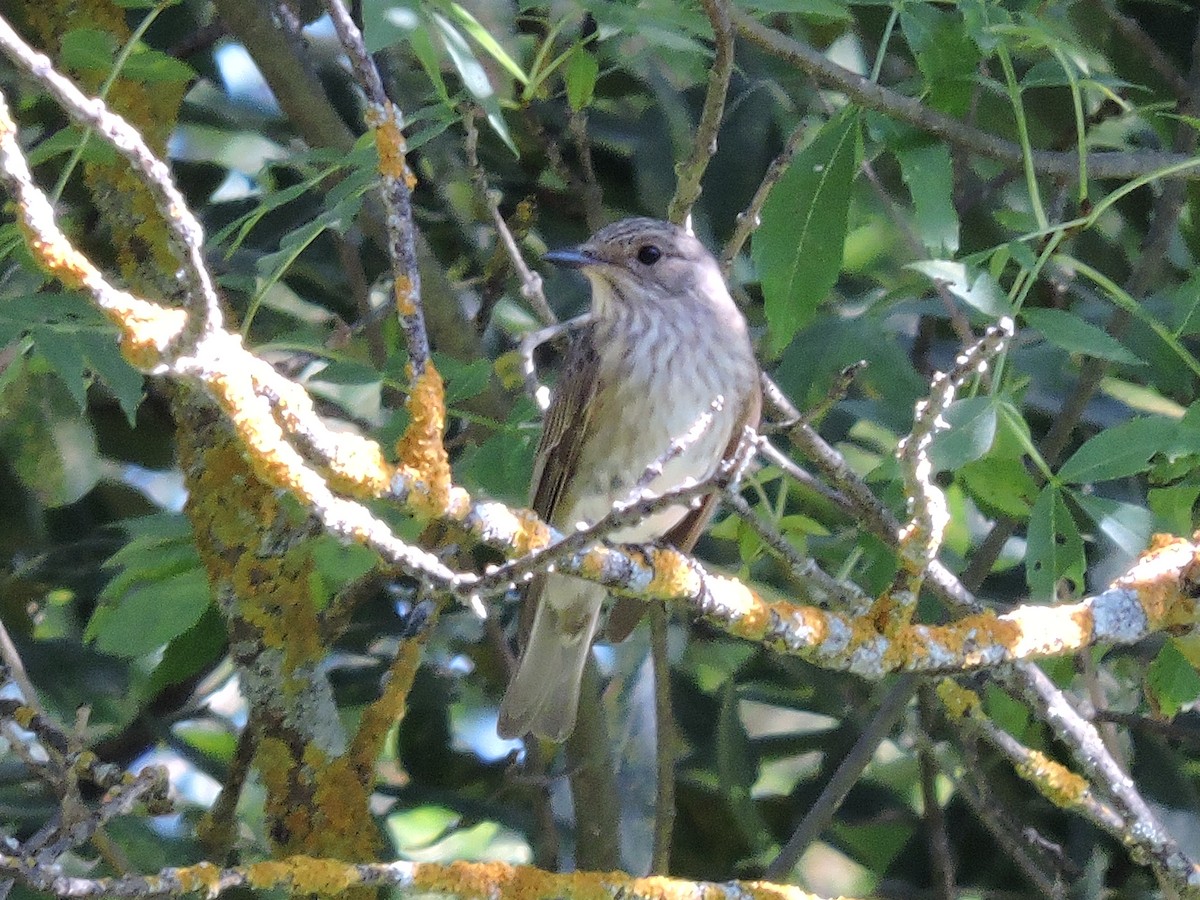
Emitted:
pixel 627 612
pixel 564 433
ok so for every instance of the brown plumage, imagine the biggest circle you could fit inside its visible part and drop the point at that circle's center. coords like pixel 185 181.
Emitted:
pixel 666 343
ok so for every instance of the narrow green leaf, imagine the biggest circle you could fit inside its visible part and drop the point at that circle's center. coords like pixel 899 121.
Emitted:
pixel 580 75
pixel 927 171
pixel 484 38
pixel 474 76
pixel 1119 451
pixel 1055 547
pixel 798 248
pixel 1075 335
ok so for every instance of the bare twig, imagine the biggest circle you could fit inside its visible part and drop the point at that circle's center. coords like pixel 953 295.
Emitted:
pixel 820 813
pixel 921 538
pixel 666 745
pixel 691 171
pixel 748 219
pixel 818 586
pixel 530 341
pixel 531 282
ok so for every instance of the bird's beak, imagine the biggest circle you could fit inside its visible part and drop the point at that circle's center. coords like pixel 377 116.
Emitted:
pixel 571 257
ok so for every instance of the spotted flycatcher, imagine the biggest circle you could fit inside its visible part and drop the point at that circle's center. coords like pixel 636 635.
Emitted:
pixel 667 350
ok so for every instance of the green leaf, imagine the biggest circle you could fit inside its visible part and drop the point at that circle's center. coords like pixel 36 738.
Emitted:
pixel 977 289
pixel 1119 451
pixel 874 845
pixel 88 48
pixel 463 380
pixel 580 74
pixel 106 362
pixel 798 248
pixel 1126 525
pixel 1000 485
pixel 151 66
pixel 927 171
pixel 945 54
pixel 1055 547
pixel 972 428
pixel 43 439
pixel 1073 334
pixel 1171 681
pixel 474 76
pixel 148 617
pixel 61 349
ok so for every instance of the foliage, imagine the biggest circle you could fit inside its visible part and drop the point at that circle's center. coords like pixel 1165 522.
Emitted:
pixel 881 241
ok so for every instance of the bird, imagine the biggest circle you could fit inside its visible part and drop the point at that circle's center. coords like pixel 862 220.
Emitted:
pixel 666 354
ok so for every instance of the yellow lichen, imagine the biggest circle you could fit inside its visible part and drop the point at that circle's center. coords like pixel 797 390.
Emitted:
pixel 530 534
pixel 1056 782
pixel 203 877
pixel 423 454
pixel 673 576
pixel 958 700
pixel 390 142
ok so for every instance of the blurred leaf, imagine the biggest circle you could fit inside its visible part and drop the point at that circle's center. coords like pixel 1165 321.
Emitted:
pixel 474 77
pixel 51 449
pixel 151 67
pixel 928 172
pixel 87 48
pixel 485 40
pixel 1171 681
pixel 1075 335
pixel 977 289
pixel 945 54
pixel 1125 524
pixel 580 75
pixel 969 435
pixel 798 247
pixel 1055 548
pixel 150 616
pixel 1119 451
pixel 1001 486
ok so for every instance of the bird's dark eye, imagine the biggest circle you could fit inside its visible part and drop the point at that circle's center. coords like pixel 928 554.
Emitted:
pixel 649 255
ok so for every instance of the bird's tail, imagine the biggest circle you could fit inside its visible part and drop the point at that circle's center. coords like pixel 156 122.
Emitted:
pixel 543 696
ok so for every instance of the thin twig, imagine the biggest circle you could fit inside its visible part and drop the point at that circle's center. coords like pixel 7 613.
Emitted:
pixel 821 812
pixel 1061 164
pixel 690 172
pixel 531 282
pixel 666 745
pixel 748 220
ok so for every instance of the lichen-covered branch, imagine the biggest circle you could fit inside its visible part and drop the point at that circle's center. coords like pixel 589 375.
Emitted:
pixel 398 180
pixel 302 875
pixel 187 236
pixel 921 538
